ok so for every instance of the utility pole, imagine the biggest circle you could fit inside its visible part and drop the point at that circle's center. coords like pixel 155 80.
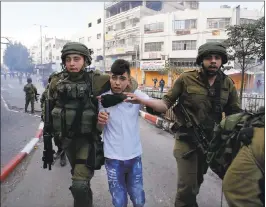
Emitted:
pixel 104 13
pixel 41 26
pixel 238 15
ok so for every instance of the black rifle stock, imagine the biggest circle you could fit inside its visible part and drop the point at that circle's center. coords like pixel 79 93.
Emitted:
pixel 48 153
pixel 199 138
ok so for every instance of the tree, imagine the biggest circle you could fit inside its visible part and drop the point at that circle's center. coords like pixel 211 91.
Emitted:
pixel 175 71
pixel 246 43
pixel 17 58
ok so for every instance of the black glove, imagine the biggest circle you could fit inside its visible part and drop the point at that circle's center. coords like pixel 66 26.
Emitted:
pixel 109 100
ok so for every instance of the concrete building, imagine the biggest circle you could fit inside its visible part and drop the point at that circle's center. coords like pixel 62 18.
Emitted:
pixel 52 52
pixel 92 37
pixel 175 37
pixel 122 27
pixel 35 50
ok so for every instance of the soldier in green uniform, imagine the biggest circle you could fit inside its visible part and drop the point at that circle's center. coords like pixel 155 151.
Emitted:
pixel 237 155
pixel 73 95
pixel 57 141
pixel 205 93
pixel 30 95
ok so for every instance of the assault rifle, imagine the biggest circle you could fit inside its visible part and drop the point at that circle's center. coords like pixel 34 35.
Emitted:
pixel 199 137
pixel 48 153
pixel 37 96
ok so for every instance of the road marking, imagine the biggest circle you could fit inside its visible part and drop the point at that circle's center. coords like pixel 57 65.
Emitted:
pixel 8 109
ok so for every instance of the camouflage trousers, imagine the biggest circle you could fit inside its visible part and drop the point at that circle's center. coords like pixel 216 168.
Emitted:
pixel 77 149
pixel 241 182
pixel 29 99
pixel 190 174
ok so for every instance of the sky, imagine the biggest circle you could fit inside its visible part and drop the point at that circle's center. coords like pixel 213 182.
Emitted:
pixel 63 19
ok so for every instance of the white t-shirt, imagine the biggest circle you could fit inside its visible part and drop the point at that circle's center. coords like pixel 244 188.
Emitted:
pixel 121 134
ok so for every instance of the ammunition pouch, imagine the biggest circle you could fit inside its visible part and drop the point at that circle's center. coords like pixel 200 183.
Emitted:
pixel 67 116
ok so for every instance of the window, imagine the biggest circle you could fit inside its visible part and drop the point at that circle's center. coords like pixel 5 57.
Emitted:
pixel 99 21
pixel 99 36
pixel 154 5
pixel 110 28
pixel 185 24
pixel 247 21
pixel 89 39
pixel 89 25
pixel 120 26
pixel 125 6
pixel 135 21
pixel 154 28
pixel 184 45
pixel 153 46
pixel 215 40
pixel 135 4
pixel 220 23
pixel 57 57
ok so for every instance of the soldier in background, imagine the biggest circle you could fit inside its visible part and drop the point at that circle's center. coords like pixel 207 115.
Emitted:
pixel 30 95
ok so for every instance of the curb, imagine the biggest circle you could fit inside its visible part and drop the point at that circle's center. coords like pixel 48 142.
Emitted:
pixel 157 121
pixel 12 164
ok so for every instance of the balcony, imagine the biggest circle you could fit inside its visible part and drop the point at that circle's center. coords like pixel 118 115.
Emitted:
pixel 122 50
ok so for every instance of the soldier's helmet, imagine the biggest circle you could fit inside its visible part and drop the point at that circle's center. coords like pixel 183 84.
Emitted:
pixel 212 48
pixel 76 48
pixel 29 80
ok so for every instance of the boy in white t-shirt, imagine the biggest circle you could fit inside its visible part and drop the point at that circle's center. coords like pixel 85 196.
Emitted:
pixel 122 144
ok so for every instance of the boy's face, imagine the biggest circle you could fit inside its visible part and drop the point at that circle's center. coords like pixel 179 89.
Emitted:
pixel 119 82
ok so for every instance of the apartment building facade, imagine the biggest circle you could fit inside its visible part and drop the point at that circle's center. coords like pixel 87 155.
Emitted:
pixel 175 37
pixel 92 37
pixel 122 28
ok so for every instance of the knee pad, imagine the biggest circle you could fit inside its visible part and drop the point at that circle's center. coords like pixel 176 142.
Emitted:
pixel 82 193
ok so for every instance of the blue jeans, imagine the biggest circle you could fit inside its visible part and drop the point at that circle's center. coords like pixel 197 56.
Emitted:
pixel 125 177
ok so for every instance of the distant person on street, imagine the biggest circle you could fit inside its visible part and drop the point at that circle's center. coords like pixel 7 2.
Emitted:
pixel 259 85
pixel 161 84
pixel 30 94
pixel 155 80
pixel 20 78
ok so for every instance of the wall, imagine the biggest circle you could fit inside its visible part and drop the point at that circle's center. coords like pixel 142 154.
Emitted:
pixel 137 75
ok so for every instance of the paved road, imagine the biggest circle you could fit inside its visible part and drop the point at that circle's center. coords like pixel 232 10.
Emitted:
pixel 45 188
pixel 14 95
pixel 17 129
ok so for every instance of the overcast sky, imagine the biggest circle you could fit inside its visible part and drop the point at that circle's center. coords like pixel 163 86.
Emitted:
pixel 63 19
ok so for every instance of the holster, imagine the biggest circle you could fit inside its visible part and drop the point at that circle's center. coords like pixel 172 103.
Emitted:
pixel 95 158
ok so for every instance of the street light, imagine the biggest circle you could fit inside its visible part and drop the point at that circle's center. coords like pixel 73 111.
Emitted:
pixel 41 26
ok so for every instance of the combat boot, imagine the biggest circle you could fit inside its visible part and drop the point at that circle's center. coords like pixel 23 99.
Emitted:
pixel 63 159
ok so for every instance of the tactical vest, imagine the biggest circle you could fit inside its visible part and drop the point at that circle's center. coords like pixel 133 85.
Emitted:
pixel 75 111
pixel 29 89
pixel 229 136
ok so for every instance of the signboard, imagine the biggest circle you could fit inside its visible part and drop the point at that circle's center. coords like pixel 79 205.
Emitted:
pixel 154 65
pixel 182 32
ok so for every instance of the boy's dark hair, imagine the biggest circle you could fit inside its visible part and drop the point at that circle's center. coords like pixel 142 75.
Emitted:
pixel 120 66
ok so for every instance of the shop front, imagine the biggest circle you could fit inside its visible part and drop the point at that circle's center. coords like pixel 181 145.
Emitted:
pixel 153 69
